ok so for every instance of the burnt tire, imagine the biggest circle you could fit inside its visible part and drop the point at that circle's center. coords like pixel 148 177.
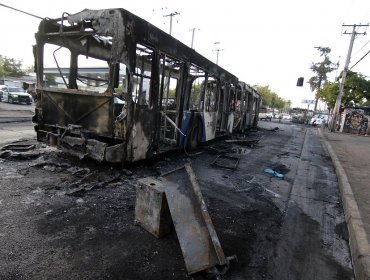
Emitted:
pixel 194 136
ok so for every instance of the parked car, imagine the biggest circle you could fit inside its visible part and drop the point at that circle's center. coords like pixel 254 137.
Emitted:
pixel 265 114
pixel 15 95
pixel 319 119
pixel 286 117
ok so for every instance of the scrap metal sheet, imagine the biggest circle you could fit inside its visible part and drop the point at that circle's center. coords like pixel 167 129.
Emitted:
pixel 200 246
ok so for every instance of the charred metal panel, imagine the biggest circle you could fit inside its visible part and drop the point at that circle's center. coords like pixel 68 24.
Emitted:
pixel 115 153
pixel 230 122
pixel 93 113
pixel 151 208
pixel 142 134
pixel 226 161
pixel 198 240
pixel 210 122
pixel 96 149
pixel 73 141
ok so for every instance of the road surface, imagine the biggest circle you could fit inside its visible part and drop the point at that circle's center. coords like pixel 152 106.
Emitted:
pixel 65 218
pixel 15 122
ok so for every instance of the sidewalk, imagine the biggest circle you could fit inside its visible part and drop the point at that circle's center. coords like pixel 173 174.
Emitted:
pixel 350 154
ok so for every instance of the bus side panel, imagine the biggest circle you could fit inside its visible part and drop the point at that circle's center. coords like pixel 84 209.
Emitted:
pixel 230 122
pixel 248 120
pixel 142 135
pixel 93 113
pixel 210 122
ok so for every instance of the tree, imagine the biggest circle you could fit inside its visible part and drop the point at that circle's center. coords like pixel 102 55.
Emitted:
pixel 266 94
pixel 321 69
pixel 10 67
pixel 288 105
pixel 30 69
pixel 356 91
pixel 270 98
pixel 329 94
pixel 50 79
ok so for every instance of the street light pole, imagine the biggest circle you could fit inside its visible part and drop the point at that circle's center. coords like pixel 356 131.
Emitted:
pixel 171 15
pixel 217 50
pixel 192 37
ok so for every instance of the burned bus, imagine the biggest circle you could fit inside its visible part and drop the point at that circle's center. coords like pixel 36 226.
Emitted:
pixel 151 93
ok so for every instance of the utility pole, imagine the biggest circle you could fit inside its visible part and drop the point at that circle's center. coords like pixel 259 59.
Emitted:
pixel 171 15
pixel 192 36
pixel 217 50
pixel 335 115
pixel 318 88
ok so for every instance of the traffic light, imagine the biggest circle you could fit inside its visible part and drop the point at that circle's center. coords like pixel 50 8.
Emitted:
pixel 300 82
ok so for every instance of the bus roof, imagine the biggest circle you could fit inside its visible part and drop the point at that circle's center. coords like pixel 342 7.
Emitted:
pixel 127 30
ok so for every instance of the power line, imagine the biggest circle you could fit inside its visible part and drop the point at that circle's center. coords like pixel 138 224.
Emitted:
pixel 20 11
pixel 362 48
pixel 359 60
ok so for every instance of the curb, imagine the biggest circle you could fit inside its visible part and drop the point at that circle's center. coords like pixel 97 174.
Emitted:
pixel 358 242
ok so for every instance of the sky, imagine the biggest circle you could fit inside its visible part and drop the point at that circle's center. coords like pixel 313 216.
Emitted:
pixel 266 42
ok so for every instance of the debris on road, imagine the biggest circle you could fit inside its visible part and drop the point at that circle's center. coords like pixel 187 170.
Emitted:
pixel 275 129
pixel 161 202
pixel 18 147
pixel 273 172
pixel 219 149
pixel 245 142
pixel 226 161
pixel 58 210
pixel 9 154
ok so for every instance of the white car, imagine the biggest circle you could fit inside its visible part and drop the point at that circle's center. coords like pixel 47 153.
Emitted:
pixel 265 114
pixel 15 95
pixel 320 119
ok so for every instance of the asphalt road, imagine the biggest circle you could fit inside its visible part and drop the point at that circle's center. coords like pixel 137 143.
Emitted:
pixel 4 106
pixel 15 122
pixel 65 218
pixel 15 131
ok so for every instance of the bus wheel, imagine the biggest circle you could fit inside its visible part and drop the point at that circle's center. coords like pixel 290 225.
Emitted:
pixel 194 136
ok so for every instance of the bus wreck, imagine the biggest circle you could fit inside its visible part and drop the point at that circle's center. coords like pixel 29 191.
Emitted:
pixel 151 93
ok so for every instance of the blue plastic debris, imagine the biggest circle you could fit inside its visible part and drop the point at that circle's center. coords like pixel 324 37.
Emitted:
pixel 273 172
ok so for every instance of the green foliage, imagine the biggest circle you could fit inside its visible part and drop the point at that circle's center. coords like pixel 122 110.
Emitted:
pixel 288 105
pixel 172 93
pixel 321 70
pixel 50 79
pixel 29 69
pixel 10 67
pixel 271 99
pixel 356 91
pixel 329 94
pixel 195 94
